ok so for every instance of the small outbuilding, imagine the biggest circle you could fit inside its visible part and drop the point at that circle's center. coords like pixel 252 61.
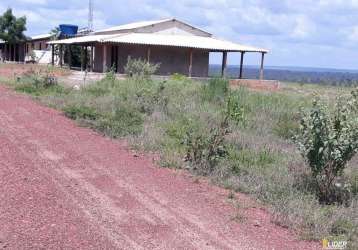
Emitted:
pixel 177 46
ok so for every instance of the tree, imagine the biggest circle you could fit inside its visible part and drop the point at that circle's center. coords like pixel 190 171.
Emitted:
pixel 12 30
pixel 328 141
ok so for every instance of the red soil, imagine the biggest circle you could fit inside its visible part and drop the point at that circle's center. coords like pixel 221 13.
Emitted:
pixel 271 86
pixel 66 187
pixel 13 70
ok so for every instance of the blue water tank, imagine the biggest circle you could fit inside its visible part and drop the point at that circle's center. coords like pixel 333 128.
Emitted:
pixel 68 29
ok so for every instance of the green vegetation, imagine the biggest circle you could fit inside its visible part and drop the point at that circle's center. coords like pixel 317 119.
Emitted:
pixel 240 139
pixel 39 84
pixel 140 69
pixel 12 29
pixel 328 141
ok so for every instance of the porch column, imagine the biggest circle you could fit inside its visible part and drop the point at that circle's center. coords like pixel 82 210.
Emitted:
pixel 105 68
pixel 69 56
pixel 148 54
pixel 53 55
pixel 241 64
pixel 190 62
pixel 91 59
pixel 224 64
pixel 61 55
pixel 86 57
pixel 82 59
pixel 262 66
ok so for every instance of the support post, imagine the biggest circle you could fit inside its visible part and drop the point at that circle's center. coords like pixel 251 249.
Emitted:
pixel 224 64
pixel 104 58
pixel 91 59
pixel 148 54
pixel 190 62
pixel 53 55
pixel 61 55
pixel 262 66
pixel 82 59
pixel 5 52
pixel 241 64
pixel 69 56
pixel 86 57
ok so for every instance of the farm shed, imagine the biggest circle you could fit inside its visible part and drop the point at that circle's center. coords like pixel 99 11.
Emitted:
pixel 20 52
pixel 177 46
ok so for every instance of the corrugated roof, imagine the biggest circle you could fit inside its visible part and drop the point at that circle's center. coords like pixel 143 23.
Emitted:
pixel 197 42
pixel 83 39
pixel 43 36
pixel 130 26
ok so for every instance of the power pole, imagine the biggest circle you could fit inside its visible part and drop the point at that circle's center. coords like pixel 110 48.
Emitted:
pixel 90 16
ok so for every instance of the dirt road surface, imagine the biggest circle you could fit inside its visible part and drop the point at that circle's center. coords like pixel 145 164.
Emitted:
pixel 66 187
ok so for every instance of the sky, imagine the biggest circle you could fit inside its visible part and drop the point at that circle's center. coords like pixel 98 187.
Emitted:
pixel 308 33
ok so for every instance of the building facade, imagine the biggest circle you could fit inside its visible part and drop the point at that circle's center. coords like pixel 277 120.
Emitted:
pixel 177 46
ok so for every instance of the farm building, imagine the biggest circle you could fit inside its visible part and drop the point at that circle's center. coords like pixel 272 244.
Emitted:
pixel 13 53
pixel 20 52
pixel 177 46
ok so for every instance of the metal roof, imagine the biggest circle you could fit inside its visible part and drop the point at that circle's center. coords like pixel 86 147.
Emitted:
pixel 132 25
pixel 197 42
pixel 43 36
pixel 83 39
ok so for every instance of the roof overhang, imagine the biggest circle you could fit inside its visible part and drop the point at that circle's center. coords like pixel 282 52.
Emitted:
pixel 40 37
pixel 148 39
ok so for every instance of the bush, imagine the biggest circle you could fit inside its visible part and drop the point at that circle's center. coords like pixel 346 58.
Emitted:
pixel 328 141
pixel 38 83
pixel 139 68
pixel 178 77
pixel 122 121
pixel 205 150
pixel 110 75
pixel 216 89
pixel 81 112
pixel 235 110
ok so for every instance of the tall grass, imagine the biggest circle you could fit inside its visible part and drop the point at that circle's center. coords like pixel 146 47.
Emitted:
pixel 257 156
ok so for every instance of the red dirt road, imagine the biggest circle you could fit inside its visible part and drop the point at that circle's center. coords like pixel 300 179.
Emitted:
pixel 66 187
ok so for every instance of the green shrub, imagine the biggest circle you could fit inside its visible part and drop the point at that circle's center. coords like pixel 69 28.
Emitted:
pixel 178 77
pixel 81 112
pixel 123 120
pixel 110 75
pixel 38 83
pixel 216 89
pixel 204 151
pixel 328 141
pixel 139 68
pixel 235 110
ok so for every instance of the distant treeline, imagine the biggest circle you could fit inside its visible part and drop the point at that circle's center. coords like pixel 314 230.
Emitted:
pixel 325 78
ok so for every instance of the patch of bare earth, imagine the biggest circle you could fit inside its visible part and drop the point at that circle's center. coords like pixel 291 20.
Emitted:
pixel 11 70
pixel 66 187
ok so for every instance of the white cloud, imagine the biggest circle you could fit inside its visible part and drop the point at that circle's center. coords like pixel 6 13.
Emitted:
pixel 38 2
pixel 284 26
pixel 304 27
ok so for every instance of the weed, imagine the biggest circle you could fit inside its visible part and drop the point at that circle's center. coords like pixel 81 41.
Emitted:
pixel 81 112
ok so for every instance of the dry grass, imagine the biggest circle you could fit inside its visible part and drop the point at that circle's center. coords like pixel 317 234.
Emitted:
pixel 261 160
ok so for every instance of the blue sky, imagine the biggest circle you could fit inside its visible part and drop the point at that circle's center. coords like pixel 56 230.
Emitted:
pixel 318 33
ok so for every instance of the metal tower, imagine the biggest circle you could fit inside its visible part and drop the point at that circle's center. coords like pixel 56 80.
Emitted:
pixel 90 16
